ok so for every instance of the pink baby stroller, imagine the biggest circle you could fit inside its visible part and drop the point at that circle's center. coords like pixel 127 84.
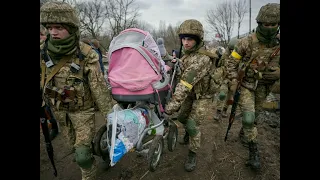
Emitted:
pixel 140 85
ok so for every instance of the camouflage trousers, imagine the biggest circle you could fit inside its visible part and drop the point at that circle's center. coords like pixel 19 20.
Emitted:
pixel 252 101
pixel 192 113
pixel 78 128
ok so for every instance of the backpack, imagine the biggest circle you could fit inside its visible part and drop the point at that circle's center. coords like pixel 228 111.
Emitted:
pixel 136 71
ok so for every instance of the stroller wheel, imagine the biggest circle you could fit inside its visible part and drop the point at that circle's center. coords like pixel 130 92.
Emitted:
pixel 155 152
pixel 100 144
pixel 172 137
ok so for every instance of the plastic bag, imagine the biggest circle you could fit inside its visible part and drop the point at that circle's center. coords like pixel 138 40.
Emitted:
pixel 124 127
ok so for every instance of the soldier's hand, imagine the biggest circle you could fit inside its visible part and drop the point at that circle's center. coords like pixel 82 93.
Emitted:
pixel 273 75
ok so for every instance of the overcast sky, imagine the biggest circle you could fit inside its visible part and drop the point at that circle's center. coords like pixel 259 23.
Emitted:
pixel 176 11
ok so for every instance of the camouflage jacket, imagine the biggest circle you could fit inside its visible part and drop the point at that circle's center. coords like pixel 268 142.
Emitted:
pixel 224 57
pixel 195 78
pixel 249 48
pixel 89 84
pixel 219 74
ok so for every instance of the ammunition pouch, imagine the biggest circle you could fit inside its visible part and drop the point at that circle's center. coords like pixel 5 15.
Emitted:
pixel 65 95
pixel 66 99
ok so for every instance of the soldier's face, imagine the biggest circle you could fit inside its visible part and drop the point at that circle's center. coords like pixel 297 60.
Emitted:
pixel 57 31
pixel 270 25
pixel 43 37
pixel 188 43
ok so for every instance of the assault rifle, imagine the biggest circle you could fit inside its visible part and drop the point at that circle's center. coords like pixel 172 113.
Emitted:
pixel 236 97
pixel 46 134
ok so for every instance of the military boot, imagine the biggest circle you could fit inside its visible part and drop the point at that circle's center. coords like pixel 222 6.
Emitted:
pixel 185 138
pixel 191 163
pixel 217 116
pixel 243 140
pixel 254 157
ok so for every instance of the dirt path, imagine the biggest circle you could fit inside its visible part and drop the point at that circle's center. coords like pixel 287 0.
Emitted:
pixel 217 160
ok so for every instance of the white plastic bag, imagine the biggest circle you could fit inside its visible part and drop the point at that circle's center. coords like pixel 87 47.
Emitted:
pixel 125 127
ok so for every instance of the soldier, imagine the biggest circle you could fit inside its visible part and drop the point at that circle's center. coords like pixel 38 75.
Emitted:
pixel 221 82
pixel 73 82
pixel 261 57
pixel 94 43
pixel 43 34
pixel 53 125
pixel 190 98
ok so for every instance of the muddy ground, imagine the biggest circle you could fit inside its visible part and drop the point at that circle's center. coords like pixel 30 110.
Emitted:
pixel 217 160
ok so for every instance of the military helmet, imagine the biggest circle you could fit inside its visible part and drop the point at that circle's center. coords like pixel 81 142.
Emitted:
pixel 192 27
pixel 58 13
pixel 269 13
pixel 232 43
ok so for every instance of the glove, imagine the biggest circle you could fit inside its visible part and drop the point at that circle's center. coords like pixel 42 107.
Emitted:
pixel 273 75
pixel 222 96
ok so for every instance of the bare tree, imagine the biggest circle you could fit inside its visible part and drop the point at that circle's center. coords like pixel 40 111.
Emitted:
pixel 140 24
pixel 221 20
pixel 169 35
pixel 92 16
pixel 240 8
pixel 121 14
pixel 73 3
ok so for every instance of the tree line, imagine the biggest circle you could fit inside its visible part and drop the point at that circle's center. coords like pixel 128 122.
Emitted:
pixel 104 19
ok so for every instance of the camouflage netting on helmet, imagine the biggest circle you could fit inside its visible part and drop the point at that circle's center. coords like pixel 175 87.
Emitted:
pixel 269 13
pixel 192 27
pixel 58 13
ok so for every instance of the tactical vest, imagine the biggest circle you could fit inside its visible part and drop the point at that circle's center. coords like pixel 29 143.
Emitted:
pixel 203 88
pixel 265 59
pixel 65 85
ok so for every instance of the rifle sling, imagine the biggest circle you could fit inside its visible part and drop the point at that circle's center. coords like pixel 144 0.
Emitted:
pixel 56 68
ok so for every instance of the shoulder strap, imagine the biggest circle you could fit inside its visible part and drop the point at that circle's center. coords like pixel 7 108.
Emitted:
pixel 275 52
pixel 56 68
pixel 211 55
pixel 85 49
pixel 43 71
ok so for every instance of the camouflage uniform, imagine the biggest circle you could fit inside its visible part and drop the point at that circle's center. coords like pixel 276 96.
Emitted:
pixel 220 83
pixel 192 95
pixel 83 88
pixel 261 73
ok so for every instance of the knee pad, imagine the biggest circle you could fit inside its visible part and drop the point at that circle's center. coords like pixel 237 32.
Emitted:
pixel 248 119
pixel 191 128
pixel 84 157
